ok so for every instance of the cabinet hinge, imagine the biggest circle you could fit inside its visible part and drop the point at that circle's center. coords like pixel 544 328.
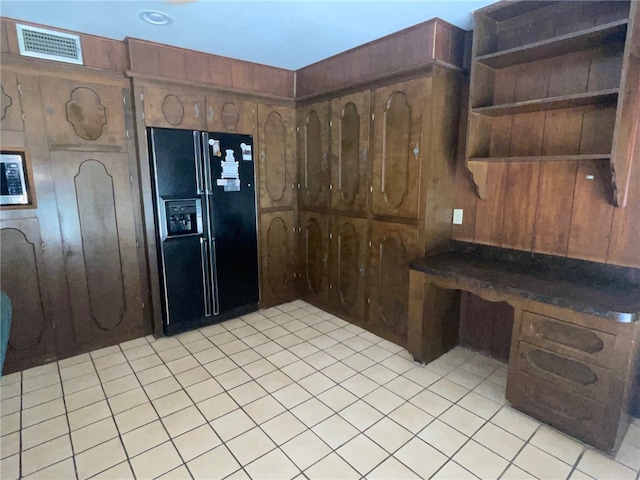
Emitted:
pixel 131 178
pixel 19 88
pixel 42 246
pixel 142 115
pixel 330 235
pixel 331 123
pixel 373 116
pixel 127 134
pixel 331 186
pixel 369 243
pixel 369 301
pixel 124 100
pixel 371 188
pixel 143 305
pixel 137 243
pixel 141 97
pixel 330 286
pixel 297 129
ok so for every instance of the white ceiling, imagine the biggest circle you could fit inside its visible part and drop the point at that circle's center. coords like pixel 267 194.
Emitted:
pixel 288 34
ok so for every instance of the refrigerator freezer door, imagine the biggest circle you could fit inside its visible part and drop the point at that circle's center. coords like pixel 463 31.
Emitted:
pixel 232 204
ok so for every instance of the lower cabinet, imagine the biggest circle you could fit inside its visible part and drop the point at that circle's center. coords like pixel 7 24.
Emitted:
pixel 393 246
pixel 348 267
pixel 277 253
pixel 313 255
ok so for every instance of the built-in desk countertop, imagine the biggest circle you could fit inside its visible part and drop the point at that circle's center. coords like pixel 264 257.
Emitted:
pixel 576 330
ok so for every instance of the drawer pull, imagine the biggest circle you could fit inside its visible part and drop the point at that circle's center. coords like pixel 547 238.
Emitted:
pixel 562 367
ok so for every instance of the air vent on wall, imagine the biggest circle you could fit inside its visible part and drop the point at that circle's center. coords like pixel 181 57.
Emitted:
pixel 49 44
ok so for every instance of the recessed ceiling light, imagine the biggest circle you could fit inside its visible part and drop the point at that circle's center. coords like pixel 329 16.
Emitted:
pixel 154 17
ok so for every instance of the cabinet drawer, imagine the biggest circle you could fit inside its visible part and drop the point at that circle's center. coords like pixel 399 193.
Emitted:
pixel 583 378
pixel 578 342
pixel 569 412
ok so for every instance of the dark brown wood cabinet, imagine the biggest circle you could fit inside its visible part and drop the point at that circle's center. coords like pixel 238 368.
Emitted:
pixel 10 105
pixel 228 113
pixel 313 256
pixel 277 250
pixel 173 108
pixel 313 152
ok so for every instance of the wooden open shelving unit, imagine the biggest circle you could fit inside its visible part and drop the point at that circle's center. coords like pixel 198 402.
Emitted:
pixel 555 81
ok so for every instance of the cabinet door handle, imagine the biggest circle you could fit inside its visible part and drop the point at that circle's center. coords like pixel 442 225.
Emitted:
pixel 416 151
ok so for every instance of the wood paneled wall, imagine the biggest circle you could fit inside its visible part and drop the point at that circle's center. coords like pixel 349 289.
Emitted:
pixel 187 66
pixel 407 50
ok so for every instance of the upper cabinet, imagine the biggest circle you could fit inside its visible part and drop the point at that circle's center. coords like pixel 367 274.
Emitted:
pixel 398 148
pixel 10 109
pixel 276 156
pixel 173 108
pixel 555 81
pixel 313 151
pixel 350 159
pixel 231 115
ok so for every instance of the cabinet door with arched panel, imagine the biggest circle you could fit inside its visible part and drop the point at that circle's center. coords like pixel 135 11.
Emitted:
pixel 393 246
pixel 226 113
pixel 10 105
pixel 277 266
pixel 398 147
pixel 314 256
pixel 348 267
pixel 276 155
pixel 350 159
pixel 313 151
pixel 173 108
pixel 94 196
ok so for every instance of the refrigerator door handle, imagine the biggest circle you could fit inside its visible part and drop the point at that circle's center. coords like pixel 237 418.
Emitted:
pixel 214 277
pixel 207 163
pixel 205 278
pixel 198 160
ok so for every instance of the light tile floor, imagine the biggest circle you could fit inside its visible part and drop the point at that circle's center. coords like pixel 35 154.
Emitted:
pixel 286 392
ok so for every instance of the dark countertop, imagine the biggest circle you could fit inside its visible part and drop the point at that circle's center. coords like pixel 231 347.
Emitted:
pixel 593 288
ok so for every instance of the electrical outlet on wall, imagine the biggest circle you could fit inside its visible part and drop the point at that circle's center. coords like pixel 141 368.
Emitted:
pixel 457 216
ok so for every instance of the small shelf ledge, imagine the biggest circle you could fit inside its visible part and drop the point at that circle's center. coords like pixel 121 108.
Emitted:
pixel 541 158
pixel 601 97
pixel 572 42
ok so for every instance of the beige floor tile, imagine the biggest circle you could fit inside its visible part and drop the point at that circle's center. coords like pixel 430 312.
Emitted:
pixel 11 390
pixel 398 364
pixel 298 369
pixel 391 469
pixel 10 468
pixel 247 393
pixel 274 381
pixel 183 421
pixel 138 352
pixel 375 353
pixel 40 370
pixel 116 371
pixel 431 403
pixel 120 385
pixel 46 454
pixel 379 374
pixel 255 340
pixel 481 406
pixel 263 409
pixel 136 342
pixel 193 376
pixel 111 360
pixel 217 463
pixel 337 398
pixel 449 390
pixel 515 422
pixel 10 423
pixel 404 387
pixel 423 376
pixel 77 370
pixel 220 366
pixel 515 473
pixel 80 383
pixel 304 349
pixel 144 438
pixel 383 400
pixel 463 378
pixel 629 455
pixel 10 405
pixel 217 406
pixel 135 417
pixel 332 467
pixel 103 352
pixel 362 454
pixel 11 379
pixel 42 412
pixel 245 357
pixel 89 414
pixel 187 338
pixel 492 391
pixel 361 415
pixel 40 396
pixel 357 344
pixel 277 332
pixel 84 397
pixel 43 432
pixel 172 403
pixel 321 341
pixel 162 387
pixel 598 466
pixel 250 445
pixel 274 465
pixel 633 433
pixel 259 368
pixel 94 434
pixel 173 353
pixel 128 400
pixel 560 446
pixel 198 346
pixel 155 462
pixel 154 374
pixel 540 464
pixel 31 384
pixel 462 420
pixel 232 347
pixel 145 363
pixel 232 424
pixel 443 437
pixel 359 385
pixel 499 441
pixel 204 390
pixel 411 417
pixel 64 470
pixel 320 360
pixel 10 444
pixel 481 461
pixel 196 442
pixel 389 435
pixel 121 471
pixel 292 395
pixel 311 412
pixel 420 457
pixel 179 473
pixel 305 449
pixel 283 428
pixel 452 471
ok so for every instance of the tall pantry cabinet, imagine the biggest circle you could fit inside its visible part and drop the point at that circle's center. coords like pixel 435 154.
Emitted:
pixel 376 175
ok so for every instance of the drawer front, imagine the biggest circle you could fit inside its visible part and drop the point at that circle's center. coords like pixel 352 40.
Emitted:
pixel 568 373
pixel 578 342
pixel 574 414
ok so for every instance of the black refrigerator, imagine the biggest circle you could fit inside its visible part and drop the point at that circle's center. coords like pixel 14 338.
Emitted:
pixel 205 209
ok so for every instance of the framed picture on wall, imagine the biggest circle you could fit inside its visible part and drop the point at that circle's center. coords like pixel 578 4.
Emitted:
pixel 16 185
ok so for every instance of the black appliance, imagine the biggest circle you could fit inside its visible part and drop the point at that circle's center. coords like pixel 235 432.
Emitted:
pixel 13 186
pixel 205 206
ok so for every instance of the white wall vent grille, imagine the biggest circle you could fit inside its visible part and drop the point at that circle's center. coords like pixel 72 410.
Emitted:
pixel 49 44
